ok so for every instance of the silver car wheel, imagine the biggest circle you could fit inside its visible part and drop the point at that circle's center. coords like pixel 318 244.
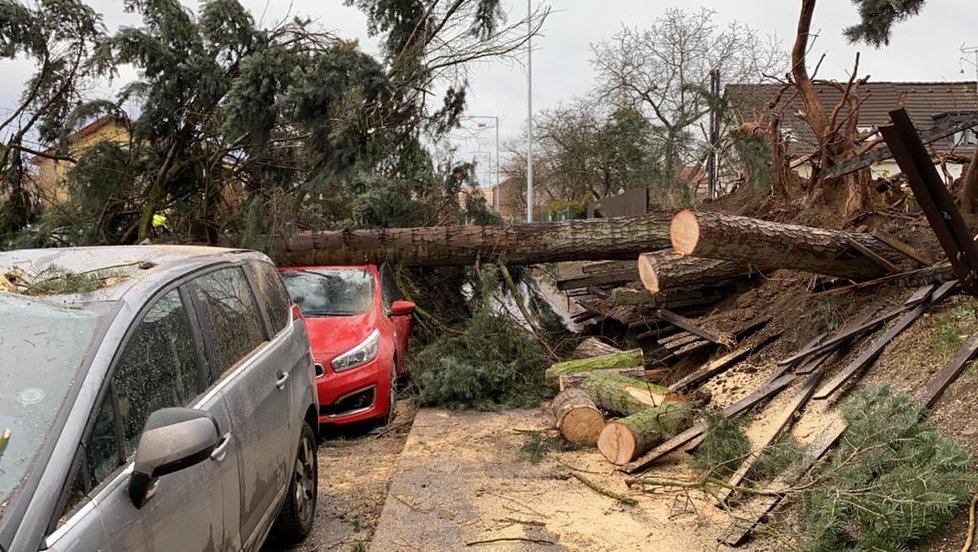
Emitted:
pixel 305 484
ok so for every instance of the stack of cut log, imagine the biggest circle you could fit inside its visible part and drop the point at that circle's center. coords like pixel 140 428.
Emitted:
pixel 613 384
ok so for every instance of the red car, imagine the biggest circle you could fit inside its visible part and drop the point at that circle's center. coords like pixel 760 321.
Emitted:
pixel 359 335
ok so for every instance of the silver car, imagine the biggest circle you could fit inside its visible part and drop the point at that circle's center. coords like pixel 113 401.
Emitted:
pixel 152 398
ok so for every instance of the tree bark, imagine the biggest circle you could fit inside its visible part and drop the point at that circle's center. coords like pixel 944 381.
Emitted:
pixel 627 396
pixel 662 270
pixel 770 245
pixel 578 418
pixel 577 380
pixel 627 438
pixel 627 359
pixel 592 347
pixel 593 239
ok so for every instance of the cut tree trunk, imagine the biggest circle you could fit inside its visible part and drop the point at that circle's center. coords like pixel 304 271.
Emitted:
pixel 771 245
pixel 627 359
pixel 626 396
pixel 664 270
pixel 578 418
pixel 594 239
pixel 592 347
pixel 627 438
pixel 577 380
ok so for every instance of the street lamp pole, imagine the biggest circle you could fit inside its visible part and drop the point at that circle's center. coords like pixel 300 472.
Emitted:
pixel 529 112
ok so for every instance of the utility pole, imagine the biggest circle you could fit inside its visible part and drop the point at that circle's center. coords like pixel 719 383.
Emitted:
pixel 529 112
pixel 965 51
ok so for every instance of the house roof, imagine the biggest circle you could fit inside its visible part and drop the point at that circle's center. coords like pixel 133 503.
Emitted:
pixel 87 130
pixel 925 102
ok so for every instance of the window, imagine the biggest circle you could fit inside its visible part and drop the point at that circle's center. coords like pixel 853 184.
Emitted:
pixel 159 367
pixel 273 295
pixel 966 137
pixel 231 315
pixel 332 291
pixel 388 285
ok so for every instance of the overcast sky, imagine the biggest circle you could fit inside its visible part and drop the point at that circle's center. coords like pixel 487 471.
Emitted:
pixel 923 48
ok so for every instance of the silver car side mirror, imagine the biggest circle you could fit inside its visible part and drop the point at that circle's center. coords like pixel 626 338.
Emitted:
pixel 172 439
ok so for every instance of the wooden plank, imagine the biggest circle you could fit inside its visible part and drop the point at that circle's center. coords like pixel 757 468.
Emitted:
pixel 781 422
pixel 690 348
pixel 920 296
pixel 837 340
pixel 934 198
pixel 720 364
pixel 763 392
pixel 941 130
pixel 737 533
pixel 690 326
pixel 886 265
pixel 869 355
pixel 907 250
pixel 678 340
pixel 929 395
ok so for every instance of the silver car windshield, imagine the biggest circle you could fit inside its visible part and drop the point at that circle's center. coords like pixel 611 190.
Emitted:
pixel 331 292
pixel 43 344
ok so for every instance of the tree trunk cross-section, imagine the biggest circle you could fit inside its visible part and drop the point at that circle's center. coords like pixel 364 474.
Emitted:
pixel 771 245
pixel 625 439
pixel 594 239
pixel 578 418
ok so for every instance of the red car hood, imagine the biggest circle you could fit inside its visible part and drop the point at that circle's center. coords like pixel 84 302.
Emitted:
pixel 332 335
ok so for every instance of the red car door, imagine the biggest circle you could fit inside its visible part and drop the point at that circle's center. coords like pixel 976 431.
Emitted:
pixel 401 322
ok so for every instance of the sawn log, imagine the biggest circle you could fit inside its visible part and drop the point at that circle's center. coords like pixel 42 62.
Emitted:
pixel 627 359
pixel 626 396
pixel 663 270
pixel 771 245
pixel 625 439
pixel 578 418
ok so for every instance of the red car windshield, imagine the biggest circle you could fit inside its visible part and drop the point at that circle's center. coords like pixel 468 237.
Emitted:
pixel 331 292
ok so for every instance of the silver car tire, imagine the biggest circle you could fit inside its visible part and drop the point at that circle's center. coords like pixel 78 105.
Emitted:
pixel 299 511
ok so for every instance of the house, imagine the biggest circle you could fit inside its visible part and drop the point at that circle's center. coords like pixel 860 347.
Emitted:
pixel 51 177
pixel 927 103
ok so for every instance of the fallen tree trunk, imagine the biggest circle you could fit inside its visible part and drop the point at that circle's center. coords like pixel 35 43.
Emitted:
pixel 577 380
pixel 771 245
pixel 664 270
pixel 625 439
pixel 578 418
pixel 593 239
pixel 627 396
pixel 627 359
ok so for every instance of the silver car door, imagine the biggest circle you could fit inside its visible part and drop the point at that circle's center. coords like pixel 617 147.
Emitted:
pixel 257 391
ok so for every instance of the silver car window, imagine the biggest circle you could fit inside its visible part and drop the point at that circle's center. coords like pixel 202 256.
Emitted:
pixel 231 315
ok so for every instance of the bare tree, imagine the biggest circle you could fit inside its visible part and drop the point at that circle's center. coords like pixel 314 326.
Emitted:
pixel 664 72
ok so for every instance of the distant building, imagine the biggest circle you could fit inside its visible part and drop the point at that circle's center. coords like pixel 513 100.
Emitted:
pixel 51 178
pixel 927 103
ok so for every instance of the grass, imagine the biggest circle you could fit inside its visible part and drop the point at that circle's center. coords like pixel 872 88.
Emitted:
pixel 831 315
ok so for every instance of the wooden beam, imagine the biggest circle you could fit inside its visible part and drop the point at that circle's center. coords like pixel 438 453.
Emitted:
pixel 720 364
pixel 763 392
pixel 886 265
pixel 934 198
pixel 941 130
pixel 869 355
pixel 929 395
pixel 688 325
pixel 837 340
pixel 908 250
pixel 737 533
pixel 773 429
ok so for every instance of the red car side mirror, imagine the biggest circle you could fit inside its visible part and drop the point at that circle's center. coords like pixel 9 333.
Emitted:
pixel 402 308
